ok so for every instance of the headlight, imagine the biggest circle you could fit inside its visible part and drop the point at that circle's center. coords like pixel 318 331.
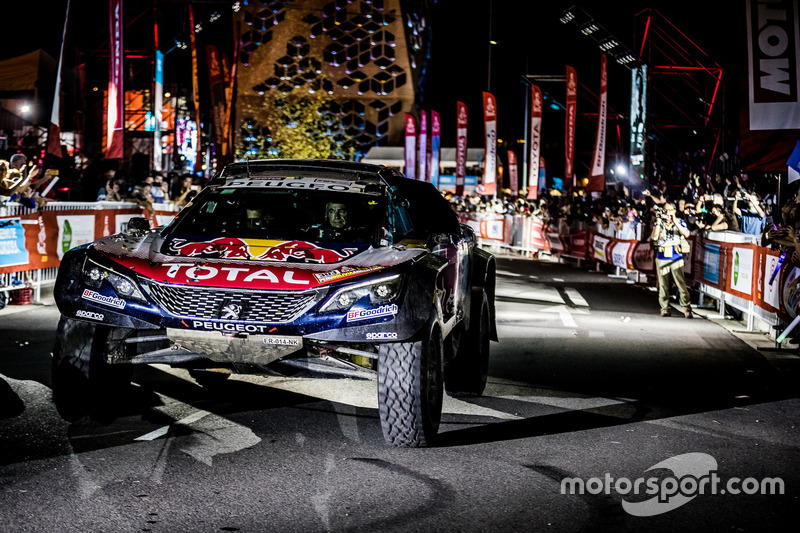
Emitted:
pixel 380 291
pixel 94 274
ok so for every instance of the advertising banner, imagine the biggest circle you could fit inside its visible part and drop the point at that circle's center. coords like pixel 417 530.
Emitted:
pixel 436 134
pixel 158 104
pixel 638 117
pixel 116 94
pixel 643 257
pixel 741 270
pixel 198 160
pixel 216 83
pixel 423 147
pixel 12 243
pixel 74 230
pixel 711 263
pixel 773 53
pixel 461 146
pixel 620 252
pixel 769 287
pixel 569 127
pixel 535 152
pixel 513 178
pixel 411 147
pixel 597 176
pixel 490 127
pixel 599 245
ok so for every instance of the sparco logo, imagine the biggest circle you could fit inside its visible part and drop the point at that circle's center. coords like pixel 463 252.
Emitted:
pixel 774 45
pixel 88 314
pixel 381 336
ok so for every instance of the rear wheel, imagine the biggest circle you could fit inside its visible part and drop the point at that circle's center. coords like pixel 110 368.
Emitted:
pixel 410 391
pixel 465 375
pixel 83 382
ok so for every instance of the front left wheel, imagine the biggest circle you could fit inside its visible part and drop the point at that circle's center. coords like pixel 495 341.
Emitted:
pixel 411 391
pixel 82 380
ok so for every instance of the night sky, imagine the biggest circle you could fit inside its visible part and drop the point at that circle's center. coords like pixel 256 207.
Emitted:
pixel 531 40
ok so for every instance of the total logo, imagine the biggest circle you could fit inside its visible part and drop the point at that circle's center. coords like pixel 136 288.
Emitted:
pixel 204 272
pixel 365 314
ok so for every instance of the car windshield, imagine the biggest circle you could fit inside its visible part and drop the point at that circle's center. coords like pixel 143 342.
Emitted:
pixel 282 214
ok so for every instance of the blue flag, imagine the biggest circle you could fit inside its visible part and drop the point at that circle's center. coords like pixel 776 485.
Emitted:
pixel 794 163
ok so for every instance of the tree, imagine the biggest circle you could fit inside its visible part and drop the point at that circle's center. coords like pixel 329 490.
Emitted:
pixel 296 125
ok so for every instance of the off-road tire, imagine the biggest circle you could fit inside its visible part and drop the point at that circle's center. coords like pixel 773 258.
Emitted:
pixel 465 375
pixel 410 391
pixel 83 382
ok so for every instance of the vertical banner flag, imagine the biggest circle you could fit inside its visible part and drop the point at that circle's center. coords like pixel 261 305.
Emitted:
pixel 638 116
pixel 542 175
pixel 54 132
pixel 423 146
pixel 230 86
pixel 773 53
pixel 461 147
pixel 569 127
pixel 436 133
pixel 116 94
pixel 158 104
pixel 198 161
pixel 536 142
pixel 513 178
pixel 597 177
pixel 490 127
pixel 216 94
pixel 411 146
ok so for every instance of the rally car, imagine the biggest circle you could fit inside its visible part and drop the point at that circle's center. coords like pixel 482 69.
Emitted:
pixel 299 267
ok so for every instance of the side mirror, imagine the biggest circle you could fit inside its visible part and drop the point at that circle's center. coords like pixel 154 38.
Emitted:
pixel 138 225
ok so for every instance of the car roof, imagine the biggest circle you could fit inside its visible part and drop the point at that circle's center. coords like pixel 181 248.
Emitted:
pixel 305 168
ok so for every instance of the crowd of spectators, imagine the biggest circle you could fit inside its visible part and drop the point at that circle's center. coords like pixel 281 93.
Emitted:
pixel 720 204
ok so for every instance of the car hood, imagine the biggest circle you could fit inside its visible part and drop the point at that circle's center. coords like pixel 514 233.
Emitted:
pixel 248 264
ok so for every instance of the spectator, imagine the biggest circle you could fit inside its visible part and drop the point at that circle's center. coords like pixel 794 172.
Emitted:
pixel 141 195
pixel 747 207
pixel 111 192
pixel 185 191
pixel 157 191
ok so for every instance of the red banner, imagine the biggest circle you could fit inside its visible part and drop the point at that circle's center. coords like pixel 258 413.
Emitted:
pixel 569 127
pixel 597 176
pixel 54 131
pixel 217 93
pixel 198 162
pixel 436 134
pixel 423 146
pixel 513 179
pixel 536 142
pixel 461 146
pixel 115 147
pixel 490 127
pixel 411 146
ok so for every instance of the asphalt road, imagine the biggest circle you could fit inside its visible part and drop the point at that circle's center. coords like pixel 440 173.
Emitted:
pixel 587 383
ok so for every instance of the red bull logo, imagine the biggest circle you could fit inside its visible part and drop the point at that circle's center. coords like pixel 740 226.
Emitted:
pixel 234 248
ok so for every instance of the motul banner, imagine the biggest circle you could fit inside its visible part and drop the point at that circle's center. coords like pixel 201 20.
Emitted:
pixel 461 147
pixel 490 127
pixel 536 142
pixel 436 133
pixel 411 146
pixel 597 176
pixel 423 146
pixel 513 178
pixel 54 132
pixel 198 161
pixel 773 49
pixel 569 127
pixel 116 94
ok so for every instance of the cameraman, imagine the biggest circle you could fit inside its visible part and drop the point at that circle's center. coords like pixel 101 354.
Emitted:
pixel 667 232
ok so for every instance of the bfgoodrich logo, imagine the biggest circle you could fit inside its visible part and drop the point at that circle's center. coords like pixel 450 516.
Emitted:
pixel 692 475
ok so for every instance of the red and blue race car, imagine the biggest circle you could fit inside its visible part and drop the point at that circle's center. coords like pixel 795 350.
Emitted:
pixel 291 266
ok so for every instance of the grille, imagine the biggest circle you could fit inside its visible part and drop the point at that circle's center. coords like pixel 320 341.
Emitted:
pixel 260 306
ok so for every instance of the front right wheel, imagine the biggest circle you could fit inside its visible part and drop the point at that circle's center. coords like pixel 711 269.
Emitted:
pixel 411 390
